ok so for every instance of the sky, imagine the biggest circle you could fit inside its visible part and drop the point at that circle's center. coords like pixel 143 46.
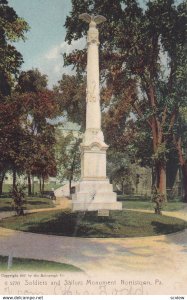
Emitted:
pixel 45 39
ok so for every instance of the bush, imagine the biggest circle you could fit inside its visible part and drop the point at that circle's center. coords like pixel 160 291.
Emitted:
pixel 18 196
pixel 159 200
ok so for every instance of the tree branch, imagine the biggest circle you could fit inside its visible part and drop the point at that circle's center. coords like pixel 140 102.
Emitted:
pixel 178 146
pixel 139 112
pixel 161 124
pixel 164 116
pixel 173 118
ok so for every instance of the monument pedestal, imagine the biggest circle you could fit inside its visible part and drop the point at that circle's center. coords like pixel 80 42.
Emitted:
pixel 94 192
pixel 95 195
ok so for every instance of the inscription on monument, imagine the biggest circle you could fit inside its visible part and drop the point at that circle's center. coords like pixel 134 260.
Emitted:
pixel 103 213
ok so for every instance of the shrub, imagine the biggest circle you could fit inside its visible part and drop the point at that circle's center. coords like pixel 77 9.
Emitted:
pixel 18 196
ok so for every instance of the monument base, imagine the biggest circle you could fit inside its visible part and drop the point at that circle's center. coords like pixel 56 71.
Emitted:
pixel 95 194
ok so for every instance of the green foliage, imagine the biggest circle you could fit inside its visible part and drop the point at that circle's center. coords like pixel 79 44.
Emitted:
pixel 24 125
pixel 11 134
pixel 12 28
pixel 71 94
pixel 160 153
pixel 68 155
pixel 17 139
pixel 31 81
pixel 159 200
pixel 118 169
pixel 136 149
pixel 18 195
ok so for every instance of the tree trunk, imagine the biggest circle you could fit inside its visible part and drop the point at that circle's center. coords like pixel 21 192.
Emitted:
pixel 1 186
pixel 122 185
pixel 1 182
pixel 29 184
pixel 154 176
pixel 183 164
pixel 161 178
pixel 184 175
pixel 40 185
pixel 33 185
pixel 43 184
pixel 70 185
pixel 14 178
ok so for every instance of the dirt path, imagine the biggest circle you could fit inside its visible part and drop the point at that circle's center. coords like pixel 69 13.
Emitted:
pixel 153 256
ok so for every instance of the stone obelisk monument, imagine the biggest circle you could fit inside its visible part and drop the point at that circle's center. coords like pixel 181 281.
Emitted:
pixel 94 192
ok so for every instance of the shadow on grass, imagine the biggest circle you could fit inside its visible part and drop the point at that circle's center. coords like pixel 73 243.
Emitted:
pixel 88 224
pixel 119 224
pixel 6 208
pixel 75 224
pixel 162 228
pixel 24 264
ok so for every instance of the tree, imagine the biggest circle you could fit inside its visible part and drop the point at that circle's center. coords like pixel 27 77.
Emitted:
pixel 43 161
pixel 71 94
pixel 18 195
pixel 11 136
pixel 118 169
pixel 133 44
pixel 27 137
pixel 12 29
pixel 31 81
pixel 180 143
pixel 40 106
pixel 40 136
pixel 179 128
pixel 68 156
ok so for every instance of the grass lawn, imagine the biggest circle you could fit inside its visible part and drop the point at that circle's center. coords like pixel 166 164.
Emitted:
pixel 80 224
pixel 23 264
pixel 31 203
pixel 169 206
pixel 47 187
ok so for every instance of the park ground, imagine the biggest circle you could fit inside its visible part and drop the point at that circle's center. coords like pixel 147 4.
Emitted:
pixel 149 258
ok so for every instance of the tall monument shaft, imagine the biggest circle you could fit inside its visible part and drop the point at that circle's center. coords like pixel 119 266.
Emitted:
pixel 93 135
pixel 93 114
pixel 94 192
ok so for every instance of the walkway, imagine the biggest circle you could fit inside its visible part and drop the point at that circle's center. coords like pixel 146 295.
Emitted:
pixel 163 257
